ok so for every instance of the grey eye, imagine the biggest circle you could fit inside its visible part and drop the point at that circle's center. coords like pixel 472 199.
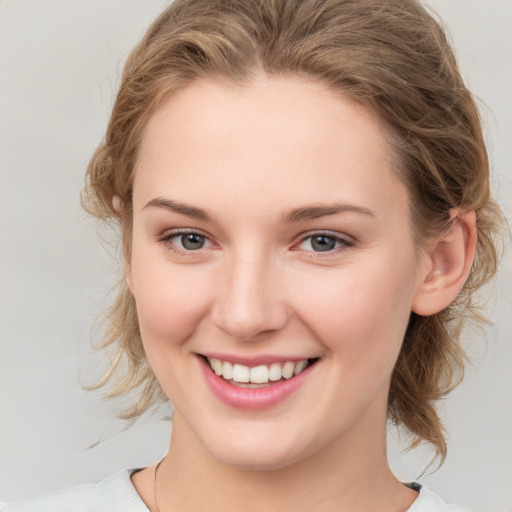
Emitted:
pixel 322 243
pixel 192 241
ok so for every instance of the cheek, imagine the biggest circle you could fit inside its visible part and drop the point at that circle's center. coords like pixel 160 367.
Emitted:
pixel 361 314
pixel 170 304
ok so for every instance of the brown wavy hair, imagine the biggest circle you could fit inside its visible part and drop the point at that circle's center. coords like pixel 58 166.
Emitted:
pixel 392 58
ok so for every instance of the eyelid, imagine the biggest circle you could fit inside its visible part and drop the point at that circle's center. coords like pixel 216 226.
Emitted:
pixel 345 241
pixel 168 235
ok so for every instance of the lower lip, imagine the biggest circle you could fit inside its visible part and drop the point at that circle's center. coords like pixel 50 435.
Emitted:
pixel 252 398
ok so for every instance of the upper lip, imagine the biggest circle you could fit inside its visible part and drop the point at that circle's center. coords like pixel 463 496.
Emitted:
pixel 254 360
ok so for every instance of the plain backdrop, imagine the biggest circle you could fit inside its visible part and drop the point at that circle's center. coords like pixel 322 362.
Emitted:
pixel 60 62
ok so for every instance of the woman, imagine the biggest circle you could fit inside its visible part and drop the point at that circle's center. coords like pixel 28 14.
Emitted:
pixel 304 200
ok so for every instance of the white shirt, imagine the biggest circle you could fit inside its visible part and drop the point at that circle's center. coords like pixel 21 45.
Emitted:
pixel 117 494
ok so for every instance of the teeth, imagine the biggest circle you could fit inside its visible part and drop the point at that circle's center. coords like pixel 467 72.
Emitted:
pixel 287 370
pixel 299 367
pixel 227 370
pixel 274 372
pixel 261 374
pixel 217 366
pixel 241 373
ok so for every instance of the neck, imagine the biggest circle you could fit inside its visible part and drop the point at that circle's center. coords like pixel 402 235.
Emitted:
pixel 350 475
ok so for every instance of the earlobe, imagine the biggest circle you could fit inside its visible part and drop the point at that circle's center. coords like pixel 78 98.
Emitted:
pixel 447 265
pixel 118 206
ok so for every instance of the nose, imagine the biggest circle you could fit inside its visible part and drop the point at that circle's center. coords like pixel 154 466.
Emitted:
pixel 250 301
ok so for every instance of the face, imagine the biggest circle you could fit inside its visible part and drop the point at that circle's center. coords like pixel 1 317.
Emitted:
pixel 271 238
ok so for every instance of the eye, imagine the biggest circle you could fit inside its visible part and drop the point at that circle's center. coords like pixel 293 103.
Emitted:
pixel 185 241
pixel 190 241
pixel 323 242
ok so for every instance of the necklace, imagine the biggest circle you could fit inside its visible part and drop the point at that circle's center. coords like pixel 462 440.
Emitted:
pixel 154 488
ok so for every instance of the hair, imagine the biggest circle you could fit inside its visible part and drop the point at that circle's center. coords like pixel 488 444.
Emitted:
pixel 390 57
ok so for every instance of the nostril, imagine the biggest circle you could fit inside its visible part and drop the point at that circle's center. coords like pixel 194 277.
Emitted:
pixel 248 303
pixel 247 324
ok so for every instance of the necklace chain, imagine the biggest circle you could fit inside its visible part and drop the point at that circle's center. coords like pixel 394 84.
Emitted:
pixel 154 488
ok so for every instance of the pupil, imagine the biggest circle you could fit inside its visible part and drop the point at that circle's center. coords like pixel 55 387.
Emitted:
pixel 323 243
pixel 192 241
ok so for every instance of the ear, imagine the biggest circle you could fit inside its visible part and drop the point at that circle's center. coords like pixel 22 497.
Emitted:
pixel 447 264
pixel 118 205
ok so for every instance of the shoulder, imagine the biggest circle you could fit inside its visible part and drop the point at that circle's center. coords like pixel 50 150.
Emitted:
pixel 113 494
pixel 428 501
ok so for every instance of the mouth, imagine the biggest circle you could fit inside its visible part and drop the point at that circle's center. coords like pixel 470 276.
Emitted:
pixel 262 375
pixel 255 385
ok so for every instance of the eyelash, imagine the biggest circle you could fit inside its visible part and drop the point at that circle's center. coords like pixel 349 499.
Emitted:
pixel 167 237
pixel 342 243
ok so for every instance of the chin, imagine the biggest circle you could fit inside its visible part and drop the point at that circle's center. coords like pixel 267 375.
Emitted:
pixel 257 454
pixel 258 461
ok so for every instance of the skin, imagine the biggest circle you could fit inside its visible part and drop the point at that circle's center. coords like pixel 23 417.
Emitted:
pixel 247 156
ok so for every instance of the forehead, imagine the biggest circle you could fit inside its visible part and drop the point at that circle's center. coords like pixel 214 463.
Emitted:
pixel 289 139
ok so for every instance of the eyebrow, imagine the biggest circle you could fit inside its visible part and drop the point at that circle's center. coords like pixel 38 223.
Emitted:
pixel 317 211
pixel 175 206
pixel 289 217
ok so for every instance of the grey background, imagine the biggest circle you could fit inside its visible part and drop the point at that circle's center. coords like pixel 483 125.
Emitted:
pixel 59 67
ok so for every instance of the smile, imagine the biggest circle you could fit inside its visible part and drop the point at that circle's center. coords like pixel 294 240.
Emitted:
pixel 262 374
pixel 255 387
